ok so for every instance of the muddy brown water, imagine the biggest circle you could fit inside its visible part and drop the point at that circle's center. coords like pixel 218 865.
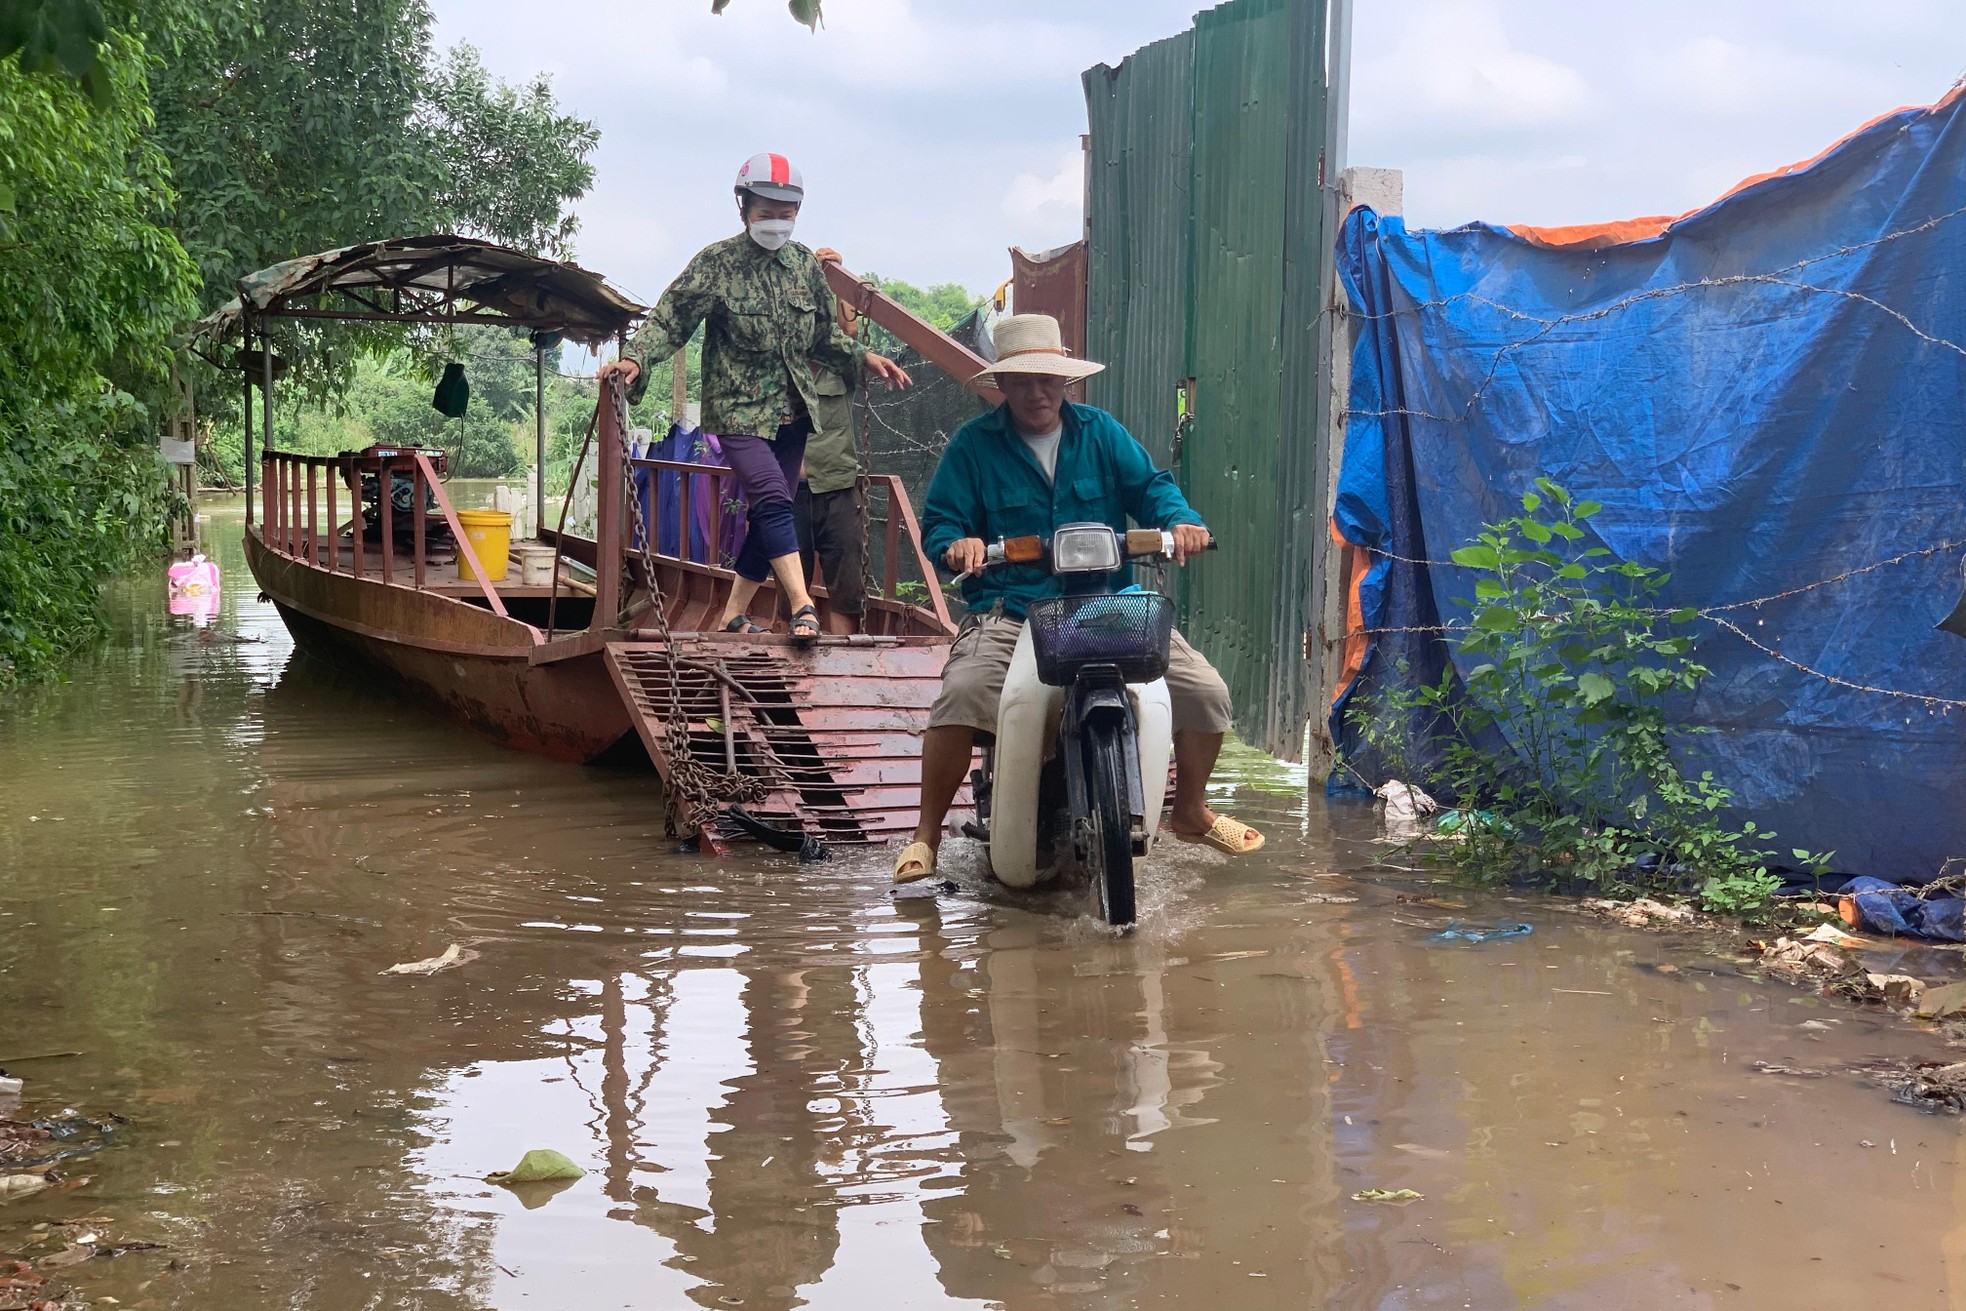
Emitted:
pixel 789 1089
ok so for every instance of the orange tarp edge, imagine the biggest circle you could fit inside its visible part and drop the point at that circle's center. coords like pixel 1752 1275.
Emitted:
pixel 1594 236
pixel 1358 643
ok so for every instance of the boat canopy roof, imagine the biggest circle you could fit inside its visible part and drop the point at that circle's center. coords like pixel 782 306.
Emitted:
pixel 431 279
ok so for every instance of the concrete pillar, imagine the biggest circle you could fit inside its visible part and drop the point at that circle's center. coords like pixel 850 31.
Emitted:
pixel 1383 190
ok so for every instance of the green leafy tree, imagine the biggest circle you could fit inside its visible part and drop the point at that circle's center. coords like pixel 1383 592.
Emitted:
pixel 942 306
pixel 300 125
pixel 288 126
pixel 509 160
pixel 59 36
pixel 92 287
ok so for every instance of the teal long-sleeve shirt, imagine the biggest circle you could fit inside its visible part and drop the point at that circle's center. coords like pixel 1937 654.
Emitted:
pixel 990 486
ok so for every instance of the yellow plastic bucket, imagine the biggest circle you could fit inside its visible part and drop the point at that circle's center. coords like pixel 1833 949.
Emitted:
pixel 488 536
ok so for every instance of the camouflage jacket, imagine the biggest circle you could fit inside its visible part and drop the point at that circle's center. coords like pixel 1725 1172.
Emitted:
pixel 770 318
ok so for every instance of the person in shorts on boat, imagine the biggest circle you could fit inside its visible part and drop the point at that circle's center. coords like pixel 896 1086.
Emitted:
pixel 830 510
pixel 768 318
pixel 1034 463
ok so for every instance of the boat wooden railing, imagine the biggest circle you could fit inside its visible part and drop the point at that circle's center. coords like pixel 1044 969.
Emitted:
pixel 896 518
pixel 300 498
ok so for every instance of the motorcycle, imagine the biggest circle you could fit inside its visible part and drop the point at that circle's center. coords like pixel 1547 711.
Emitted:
pixel 1074 781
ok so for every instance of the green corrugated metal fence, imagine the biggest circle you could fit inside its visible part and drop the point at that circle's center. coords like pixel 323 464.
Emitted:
pixel 1142 120
pixel 1205 237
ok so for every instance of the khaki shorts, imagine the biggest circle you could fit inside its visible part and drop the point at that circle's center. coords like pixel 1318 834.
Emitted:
pixel 972 681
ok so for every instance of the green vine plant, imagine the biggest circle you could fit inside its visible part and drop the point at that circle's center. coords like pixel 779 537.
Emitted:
pixel 1554 745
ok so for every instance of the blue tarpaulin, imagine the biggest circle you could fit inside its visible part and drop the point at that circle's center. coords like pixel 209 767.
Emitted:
pixel 661 494
pixel 1765 395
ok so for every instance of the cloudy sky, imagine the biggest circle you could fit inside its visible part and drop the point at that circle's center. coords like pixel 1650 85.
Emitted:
pixel 934 134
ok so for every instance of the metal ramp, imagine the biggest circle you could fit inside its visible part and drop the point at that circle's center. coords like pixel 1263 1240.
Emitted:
pixel 834 730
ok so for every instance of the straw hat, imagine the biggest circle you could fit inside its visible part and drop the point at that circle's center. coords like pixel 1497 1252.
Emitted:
pixel 1031 343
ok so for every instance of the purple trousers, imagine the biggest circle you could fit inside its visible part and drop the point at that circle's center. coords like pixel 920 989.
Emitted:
pixel 768 475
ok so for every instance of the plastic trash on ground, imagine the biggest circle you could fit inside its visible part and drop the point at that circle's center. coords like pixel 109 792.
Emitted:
pixel 1642 912
pixel 1881 907
pixel 1405 804
pixel 1455 825
pixel 1479 933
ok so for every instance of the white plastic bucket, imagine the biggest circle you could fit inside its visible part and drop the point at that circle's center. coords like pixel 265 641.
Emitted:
pixel 535 565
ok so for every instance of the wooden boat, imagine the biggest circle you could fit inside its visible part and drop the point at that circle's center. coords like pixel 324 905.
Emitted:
pixel 613 659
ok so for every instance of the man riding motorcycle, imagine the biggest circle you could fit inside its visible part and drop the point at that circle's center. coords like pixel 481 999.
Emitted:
pixel 1035 463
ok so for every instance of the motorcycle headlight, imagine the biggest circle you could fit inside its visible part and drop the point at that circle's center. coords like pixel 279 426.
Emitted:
pixel 1084 548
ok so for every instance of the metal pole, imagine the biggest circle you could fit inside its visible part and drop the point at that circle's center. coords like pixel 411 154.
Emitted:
pixel 1333 340
pixel 539 441
pixel 246 417
pixel 1338 92
pixel 266 391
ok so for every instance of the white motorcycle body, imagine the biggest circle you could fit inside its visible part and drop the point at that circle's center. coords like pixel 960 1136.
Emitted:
pixel 1027 729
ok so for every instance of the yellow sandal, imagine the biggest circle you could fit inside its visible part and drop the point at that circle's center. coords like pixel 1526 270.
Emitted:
pixel 1229 836
pixel 915 853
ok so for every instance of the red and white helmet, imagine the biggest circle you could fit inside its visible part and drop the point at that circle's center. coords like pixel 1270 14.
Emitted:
pixel 771 176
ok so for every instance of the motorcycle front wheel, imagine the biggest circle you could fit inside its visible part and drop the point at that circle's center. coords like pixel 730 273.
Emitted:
pixel 1110 861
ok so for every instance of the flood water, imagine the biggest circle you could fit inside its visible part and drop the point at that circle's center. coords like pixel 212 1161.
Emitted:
pixel 789 1089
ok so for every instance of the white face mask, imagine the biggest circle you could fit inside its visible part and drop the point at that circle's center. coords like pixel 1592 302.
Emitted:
pixel 771 233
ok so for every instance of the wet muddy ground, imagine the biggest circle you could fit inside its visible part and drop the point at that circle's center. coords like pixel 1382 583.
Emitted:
pixel 789 1089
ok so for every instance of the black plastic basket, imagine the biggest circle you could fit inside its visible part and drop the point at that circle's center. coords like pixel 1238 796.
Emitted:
pixel 1130 631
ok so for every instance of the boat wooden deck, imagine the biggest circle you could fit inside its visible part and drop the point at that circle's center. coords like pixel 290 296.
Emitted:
pixel 832 732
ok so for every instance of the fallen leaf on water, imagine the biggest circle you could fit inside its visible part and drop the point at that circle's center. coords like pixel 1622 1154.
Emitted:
pixel 453 955
pixel 1395 1196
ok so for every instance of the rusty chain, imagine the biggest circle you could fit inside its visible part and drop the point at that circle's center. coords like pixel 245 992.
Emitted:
pixel 694 788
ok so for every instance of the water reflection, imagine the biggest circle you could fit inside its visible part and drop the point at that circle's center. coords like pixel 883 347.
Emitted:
pixel 790 1090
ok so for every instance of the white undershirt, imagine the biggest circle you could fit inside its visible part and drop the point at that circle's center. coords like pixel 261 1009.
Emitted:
pixel 1044 448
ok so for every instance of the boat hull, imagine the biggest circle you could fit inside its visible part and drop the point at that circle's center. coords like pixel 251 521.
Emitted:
pixel 468 664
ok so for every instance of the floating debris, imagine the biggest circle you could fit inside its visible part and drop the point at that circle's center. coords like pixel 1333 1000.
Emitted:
pixel 1387 1196
pixel 1931 1086
pixel 1793 1071
pixel 1642 913
pixel 1473 934
pixel 453 955
pixel 537 1166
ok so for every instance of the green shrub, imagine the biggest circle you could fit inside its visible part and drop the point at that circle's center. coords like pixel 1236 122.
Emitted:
pixel 1558 726
pixel 92 286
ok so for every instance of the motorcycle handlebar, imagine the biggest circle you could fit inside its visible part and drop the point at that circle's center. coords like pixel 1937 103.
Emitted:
pixel 1031 550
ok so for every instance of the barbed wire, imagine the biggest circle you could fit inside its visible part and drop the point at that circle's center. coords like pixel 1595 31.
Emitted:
pixel 1546 326
pixel 1922 698
pixel 1797 266
pixel 1715 615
